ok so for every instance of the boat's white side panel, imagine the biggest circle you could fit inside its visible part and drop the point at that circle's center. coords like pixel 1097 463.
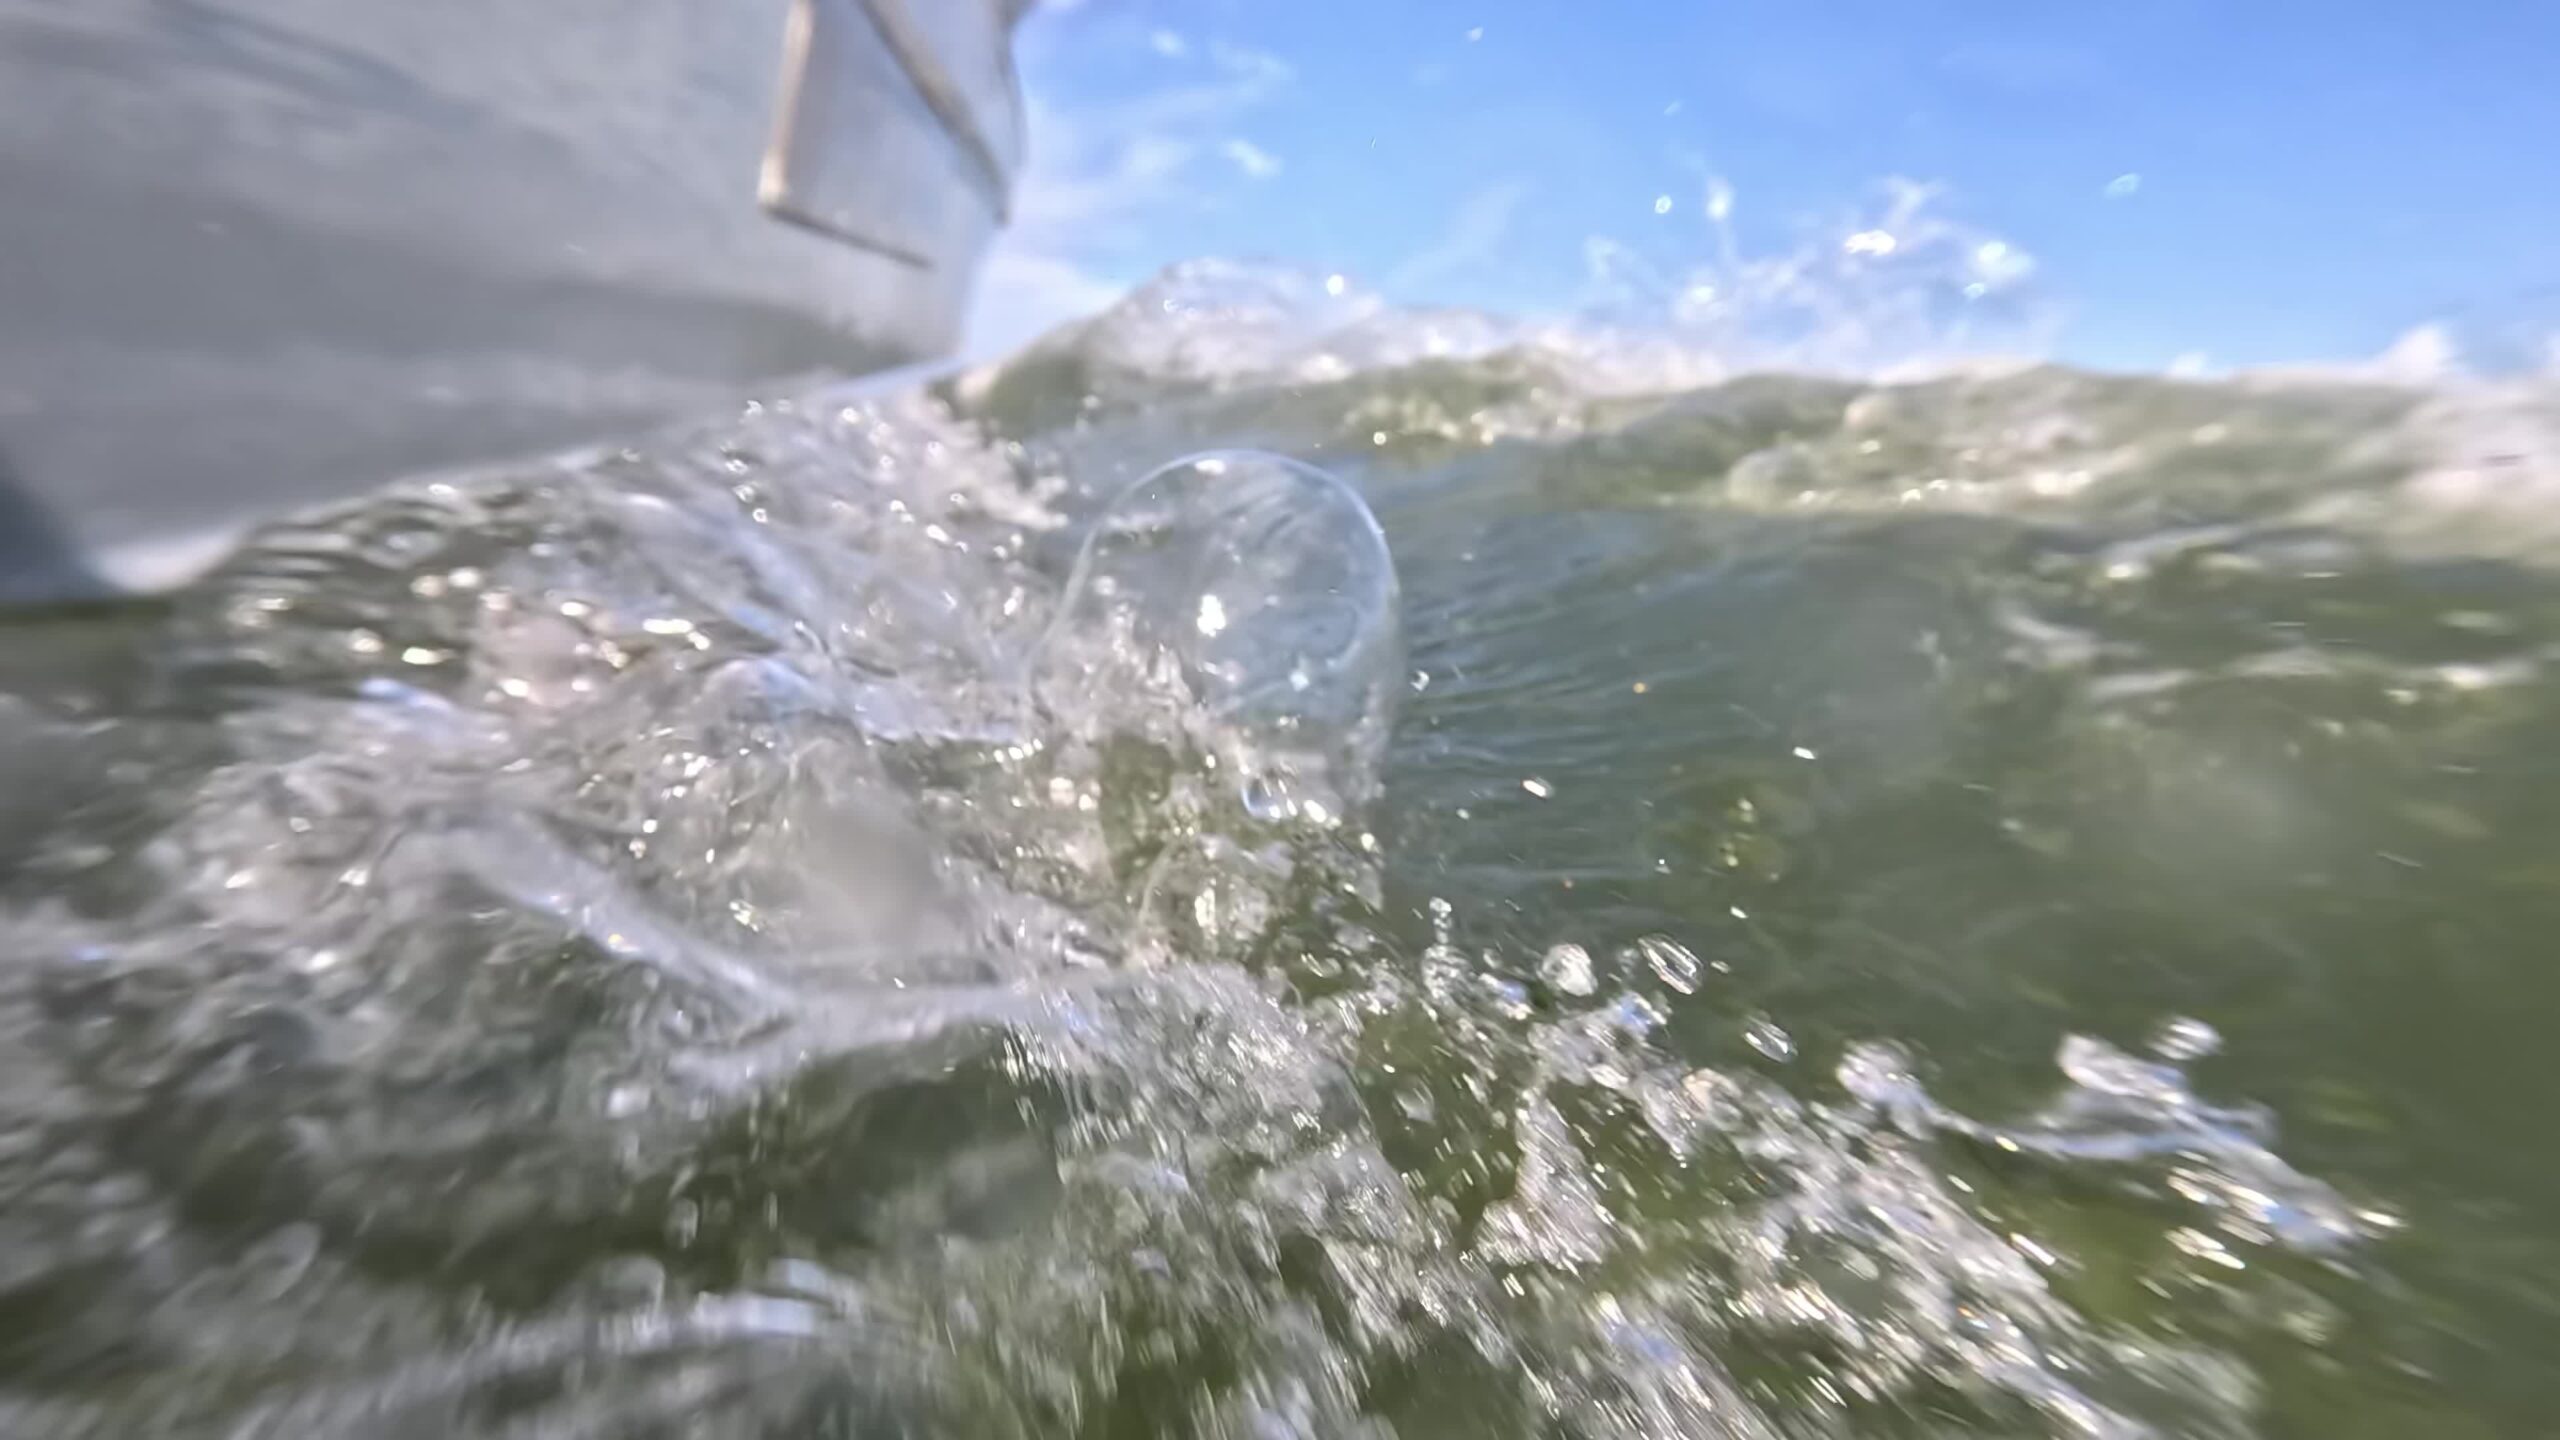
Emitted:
pixel 260 252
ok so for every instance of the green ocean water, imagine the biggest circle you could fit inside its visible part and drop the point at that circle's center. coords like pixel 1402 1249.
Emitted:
pixel 2007 902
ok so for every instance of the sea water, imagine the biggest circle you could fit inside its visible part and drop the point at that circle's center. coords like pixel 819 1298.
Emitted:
pixel 1254 872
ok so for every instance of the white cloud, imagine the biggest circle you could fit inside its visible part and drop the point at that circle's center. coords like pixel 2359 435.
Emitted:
pixel 1107 163
pixel 1474 234
pixel 1243 62
pixel 1101 178
pixel 1095 185
pixel 1256 162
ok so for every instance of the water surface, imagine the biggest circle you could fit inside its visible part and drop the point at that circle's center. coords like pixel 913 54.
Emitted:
pixel 2011 902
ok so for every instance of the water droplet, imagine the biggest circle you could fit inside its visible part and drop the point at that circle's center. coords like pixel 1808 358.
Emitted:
pixel 1877 1074
pixel 1537 787
pixel 1636 1015
pixel 2184 1039
pixel 1567 970
pixel 1671 962
pixel 2096 1065
pixel 1765 1037
pixel 1264 800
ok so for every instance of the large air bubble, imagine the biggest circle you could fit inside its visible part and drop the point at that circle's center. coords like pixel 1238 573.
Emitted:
pixel 1259 590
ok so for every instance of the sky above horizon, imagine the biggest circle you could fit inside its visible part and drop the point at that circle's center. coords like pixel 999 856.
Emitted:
pixel 2175 183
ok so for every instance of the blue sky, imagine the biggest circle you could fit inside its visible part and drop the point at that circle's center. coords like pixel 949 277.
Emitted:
pixel 2253 181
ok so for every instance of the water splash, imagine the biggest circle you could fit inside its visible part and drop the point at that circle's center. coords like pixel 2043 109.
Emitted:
pixel 1260 591
pixel 868 918
pixel 1899 289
